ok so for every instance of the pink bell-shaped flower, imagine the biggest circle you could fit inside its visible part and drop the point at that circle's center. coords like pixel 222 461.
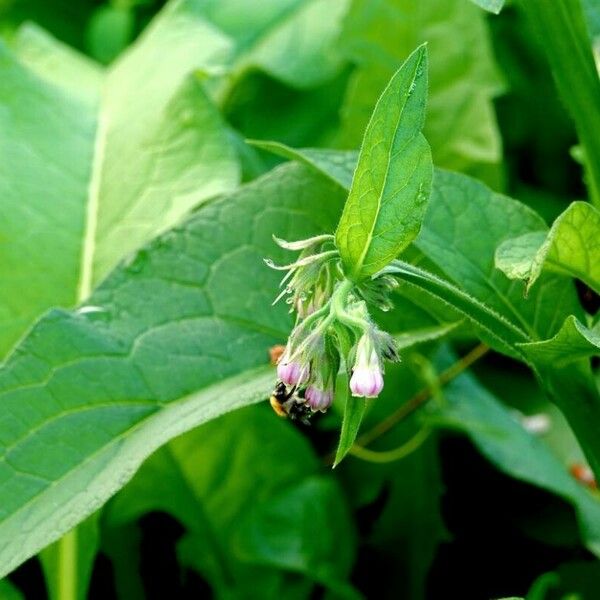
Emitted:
pixel 367 375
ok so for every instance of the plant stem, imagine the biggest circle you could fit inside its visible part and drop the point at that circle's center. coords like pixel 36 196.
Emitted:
pixel 386 456
pixel 67 566
pixel 562 29
pixel 422 396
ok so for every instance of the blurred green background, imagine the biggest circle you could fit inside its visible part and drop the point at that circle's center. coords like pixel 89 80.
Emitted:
pixel 247 506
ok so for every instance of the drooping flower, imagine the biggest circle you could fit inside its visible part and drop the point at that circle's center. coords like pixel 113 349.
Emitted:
pixel 319 399
pixel 292 372
pixel 367 375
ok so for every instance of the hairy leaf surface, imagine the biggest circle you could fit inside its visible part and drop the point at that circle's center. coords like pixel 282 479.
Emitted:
pixel 170 340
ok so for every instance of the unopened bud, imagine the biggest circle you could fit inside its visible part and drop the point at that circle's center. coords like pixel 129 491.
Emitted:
pixel 367 376
pixel 292 373
pixel 319 399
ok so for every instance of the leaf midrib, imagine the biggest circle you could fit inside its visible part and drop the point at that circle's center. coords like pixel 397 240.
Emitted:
pixel 84 285
pixel 360 262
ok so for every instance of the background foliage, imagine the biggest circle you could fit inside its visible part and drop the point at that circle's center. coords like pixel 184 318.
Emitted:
pixel 135 306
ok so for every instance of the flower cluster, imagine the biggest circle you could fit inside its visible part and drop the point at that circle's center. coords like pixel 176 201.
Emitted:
pixel 333 328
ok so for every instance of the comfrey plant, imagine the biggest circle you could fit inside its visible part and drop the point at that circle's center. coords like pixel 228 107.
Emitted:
pixel 333 328
pixel 337 278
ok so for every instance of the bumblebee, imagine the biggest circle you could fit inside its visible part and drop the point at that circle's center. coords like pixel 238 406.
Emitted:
pixel 289 404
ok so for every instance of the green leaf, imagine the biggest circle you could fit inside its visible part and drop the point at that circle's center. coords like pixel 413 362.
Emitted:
pixel 460 207
pixel 565 38
pixel 294 41
pixel 407 339
pixel 518 453
pixel 515 257
pixel 338 166
pixel 392 181
pixel 57 63
pixel 354 411
pixel 573 342
pixel 230 500
pixel 211 496
pixel 127 169
pixel 493 6
pixel 413 508
pixel 571 247
pixel 463 79
pixel 493 328
pixel 270 535
pixel 109 31
pixel 300 49
pixel 172 339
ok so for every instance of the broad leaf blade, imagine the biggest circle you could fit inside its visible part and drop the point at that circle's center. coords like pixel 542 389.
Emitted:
pixel 571 247
pixel 170 341
pixel 57 63
pixel 43 195
pixel 392 181
pixel 460 208
pixel 463 79
pixel 128 164
pixel 518 453
pixel 354 411
pixel 493 328
pixel 515 257
pixel 153 117
pixel 338 166
pixel 300 49
pixel 572 343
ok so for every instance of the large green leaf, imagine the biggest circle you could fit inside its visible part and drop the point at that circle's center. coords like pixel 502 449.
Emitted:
pixel 57 63
pixel 392 181
pixel 293 41
pixel 519 453
pixel 229 495
pixel 573 342
pixel 87 179
pixel 564 35
pixel 461 124
pixel 338 166
pixel 460 209
pixel 497 331
pixel 168 341
pixel 571 247
pixel 299 48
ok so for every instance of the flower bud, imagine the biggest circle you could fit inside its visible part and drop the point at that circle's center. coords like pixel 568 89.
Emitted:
pixel 292 372
pixel 319 399
pixel 367 375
